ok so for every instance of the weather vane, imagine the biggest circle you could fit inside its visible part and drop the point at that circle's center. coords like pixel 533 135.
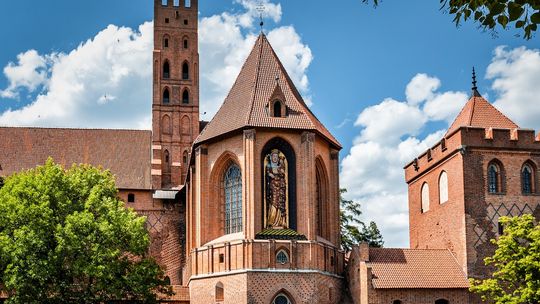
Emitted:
pixel 261 8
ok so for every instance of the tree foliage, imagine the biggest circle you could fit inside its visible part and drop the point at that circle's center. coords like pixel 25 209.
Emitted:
pixel 353 230
pixel 523 15
pixel 65 237
pixel 517 264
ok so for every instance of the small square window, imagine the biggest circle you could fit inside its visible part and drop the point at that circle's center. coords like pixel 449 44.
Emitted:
pixel 185 22
pixel 166 20
pixel 131 198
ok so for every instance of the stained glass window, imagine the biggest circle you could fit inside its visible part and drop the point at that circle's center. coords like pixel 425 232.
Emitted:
pixel 233 199
pixel 282 257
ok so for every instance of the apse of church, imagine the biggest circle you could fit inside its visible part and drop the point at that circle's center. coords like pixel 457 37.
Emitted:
pixel 261 181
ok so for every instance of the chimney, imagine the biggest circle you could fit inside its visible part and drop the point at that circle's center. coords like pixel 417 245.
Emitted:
pixel 364 252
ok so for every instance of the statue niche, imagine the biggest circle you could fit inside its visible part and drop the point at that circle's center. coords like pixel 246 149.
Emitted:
pixel 276 194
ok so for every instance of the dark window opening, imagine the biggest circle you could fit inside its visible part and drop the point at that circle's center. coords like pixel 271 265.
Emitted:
pixel 527 180
pixel 185 71
pixel 185 157
pixel 442 301
pixel 166 20
pixel 500 228
pixel 131 198
pixel 494 179
pixel 185 97
pixel 166 43
pixel 166 70
pixel 166 96
pixel 221 258
pixel 185 22
pixel 396 302
pixel 277 109
pixel 185 43
pixel 332 261
pixel 1 181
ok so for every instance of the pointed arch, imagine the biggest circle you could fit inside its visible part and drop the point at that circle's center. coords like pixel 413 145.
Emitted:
pixel 166 39
pixel 166 96
pixel 185 96
pixel 166 124
pixel 321 194
pixel 185 70
pixel 443 187
pixel 185 43
pixel 185 127
pixel 283 297
pixel 495 177
pixel 166 70
pixel 425 197
pixel 219 292
pixel 528 177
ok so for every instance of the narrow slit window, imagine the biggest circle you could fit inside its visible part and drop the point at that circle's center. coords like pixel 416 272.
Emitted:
pixel 185 71
pixel 166 96
pixel 166 70
pixel 185 97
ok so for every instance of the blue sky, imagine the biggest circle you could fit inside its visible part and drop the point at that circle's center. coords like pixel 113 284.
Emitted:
pixel 357 57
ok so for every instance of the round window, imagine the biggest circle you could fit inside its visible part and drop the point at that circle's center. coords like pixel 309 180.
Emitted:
pixel 282 299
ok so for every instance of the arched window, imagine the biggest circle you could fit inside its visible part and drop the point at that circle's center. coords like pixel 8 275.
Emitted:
pixel 425 197
pixel 166 96
pixel 185 158
pixel 321 194
pixel 186 43
pixel 495 177
pixel 528 181
pixel 185 97
pixel 232 184
pixel 166 70
pixel 277 109
pixel 220 292
pixel 165 41
pixel 443 188
pixel 397 302
pixel 281 299
pixel 185 71
pixel 442 301
pixel 166 124
pixel 282 257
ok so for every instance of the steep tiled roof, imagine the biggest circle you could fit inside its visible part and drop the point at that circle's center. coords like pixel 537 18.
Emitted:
pixel 247 105
pixel 125 152
pixel 413 268
pixel 478 112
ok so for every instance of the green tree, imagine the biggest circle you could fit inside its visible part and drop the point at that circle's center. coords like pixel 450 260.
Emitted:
pixel 524 15
pixel 353 230
pixel 65 237
pixel 516 260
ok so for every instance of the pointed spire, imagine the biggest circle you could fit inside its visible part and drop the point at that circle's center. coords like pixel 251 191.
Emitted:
pixel 475 92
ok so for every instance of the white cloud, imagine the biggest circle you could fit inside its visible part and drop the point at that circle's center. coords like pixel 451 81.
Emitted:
pixel 516 78
pixel 421 87
pixel 106 82
pixel 225 41
pixel 372 172
pixel 29 72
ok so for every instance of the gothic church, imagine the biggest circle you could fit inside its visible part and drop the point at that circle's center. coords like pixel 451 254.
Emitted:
pixel 245 208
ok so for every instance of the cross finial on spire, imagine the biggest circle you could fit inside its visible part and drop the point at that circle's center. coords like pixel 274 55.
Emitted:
pixel 261 8
pixel 475 92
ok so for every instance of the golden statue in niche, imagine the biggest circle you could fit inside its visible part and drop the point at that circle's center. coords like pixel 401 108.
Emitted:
pixel 276 193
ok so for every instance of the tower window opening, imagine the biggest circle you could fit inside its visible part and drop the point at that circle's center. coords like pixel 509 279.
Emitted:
pixel 185 71
pixel 185 22
pixel 164 2
pixel 166 20
pixel 185 158
pixel 277 109
pixel 166 96
pixel 166 70
pixel 425 197
pixel 166 43
pixel 185 43
pixel 495 179
pixel 185 97
pixel 187 3
pixel 131 198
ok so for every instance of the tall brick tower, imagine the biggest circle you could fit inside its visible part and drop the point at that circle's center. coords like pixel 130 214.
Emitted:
pixel 175 106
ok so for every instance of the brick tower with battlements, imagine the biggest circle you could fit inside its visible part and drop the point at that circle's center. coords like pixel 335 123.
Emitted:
pixel 175 106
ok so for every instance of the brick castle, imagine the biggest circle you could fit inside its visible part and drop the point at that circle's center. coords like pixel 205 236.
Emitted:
pixel 245 208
